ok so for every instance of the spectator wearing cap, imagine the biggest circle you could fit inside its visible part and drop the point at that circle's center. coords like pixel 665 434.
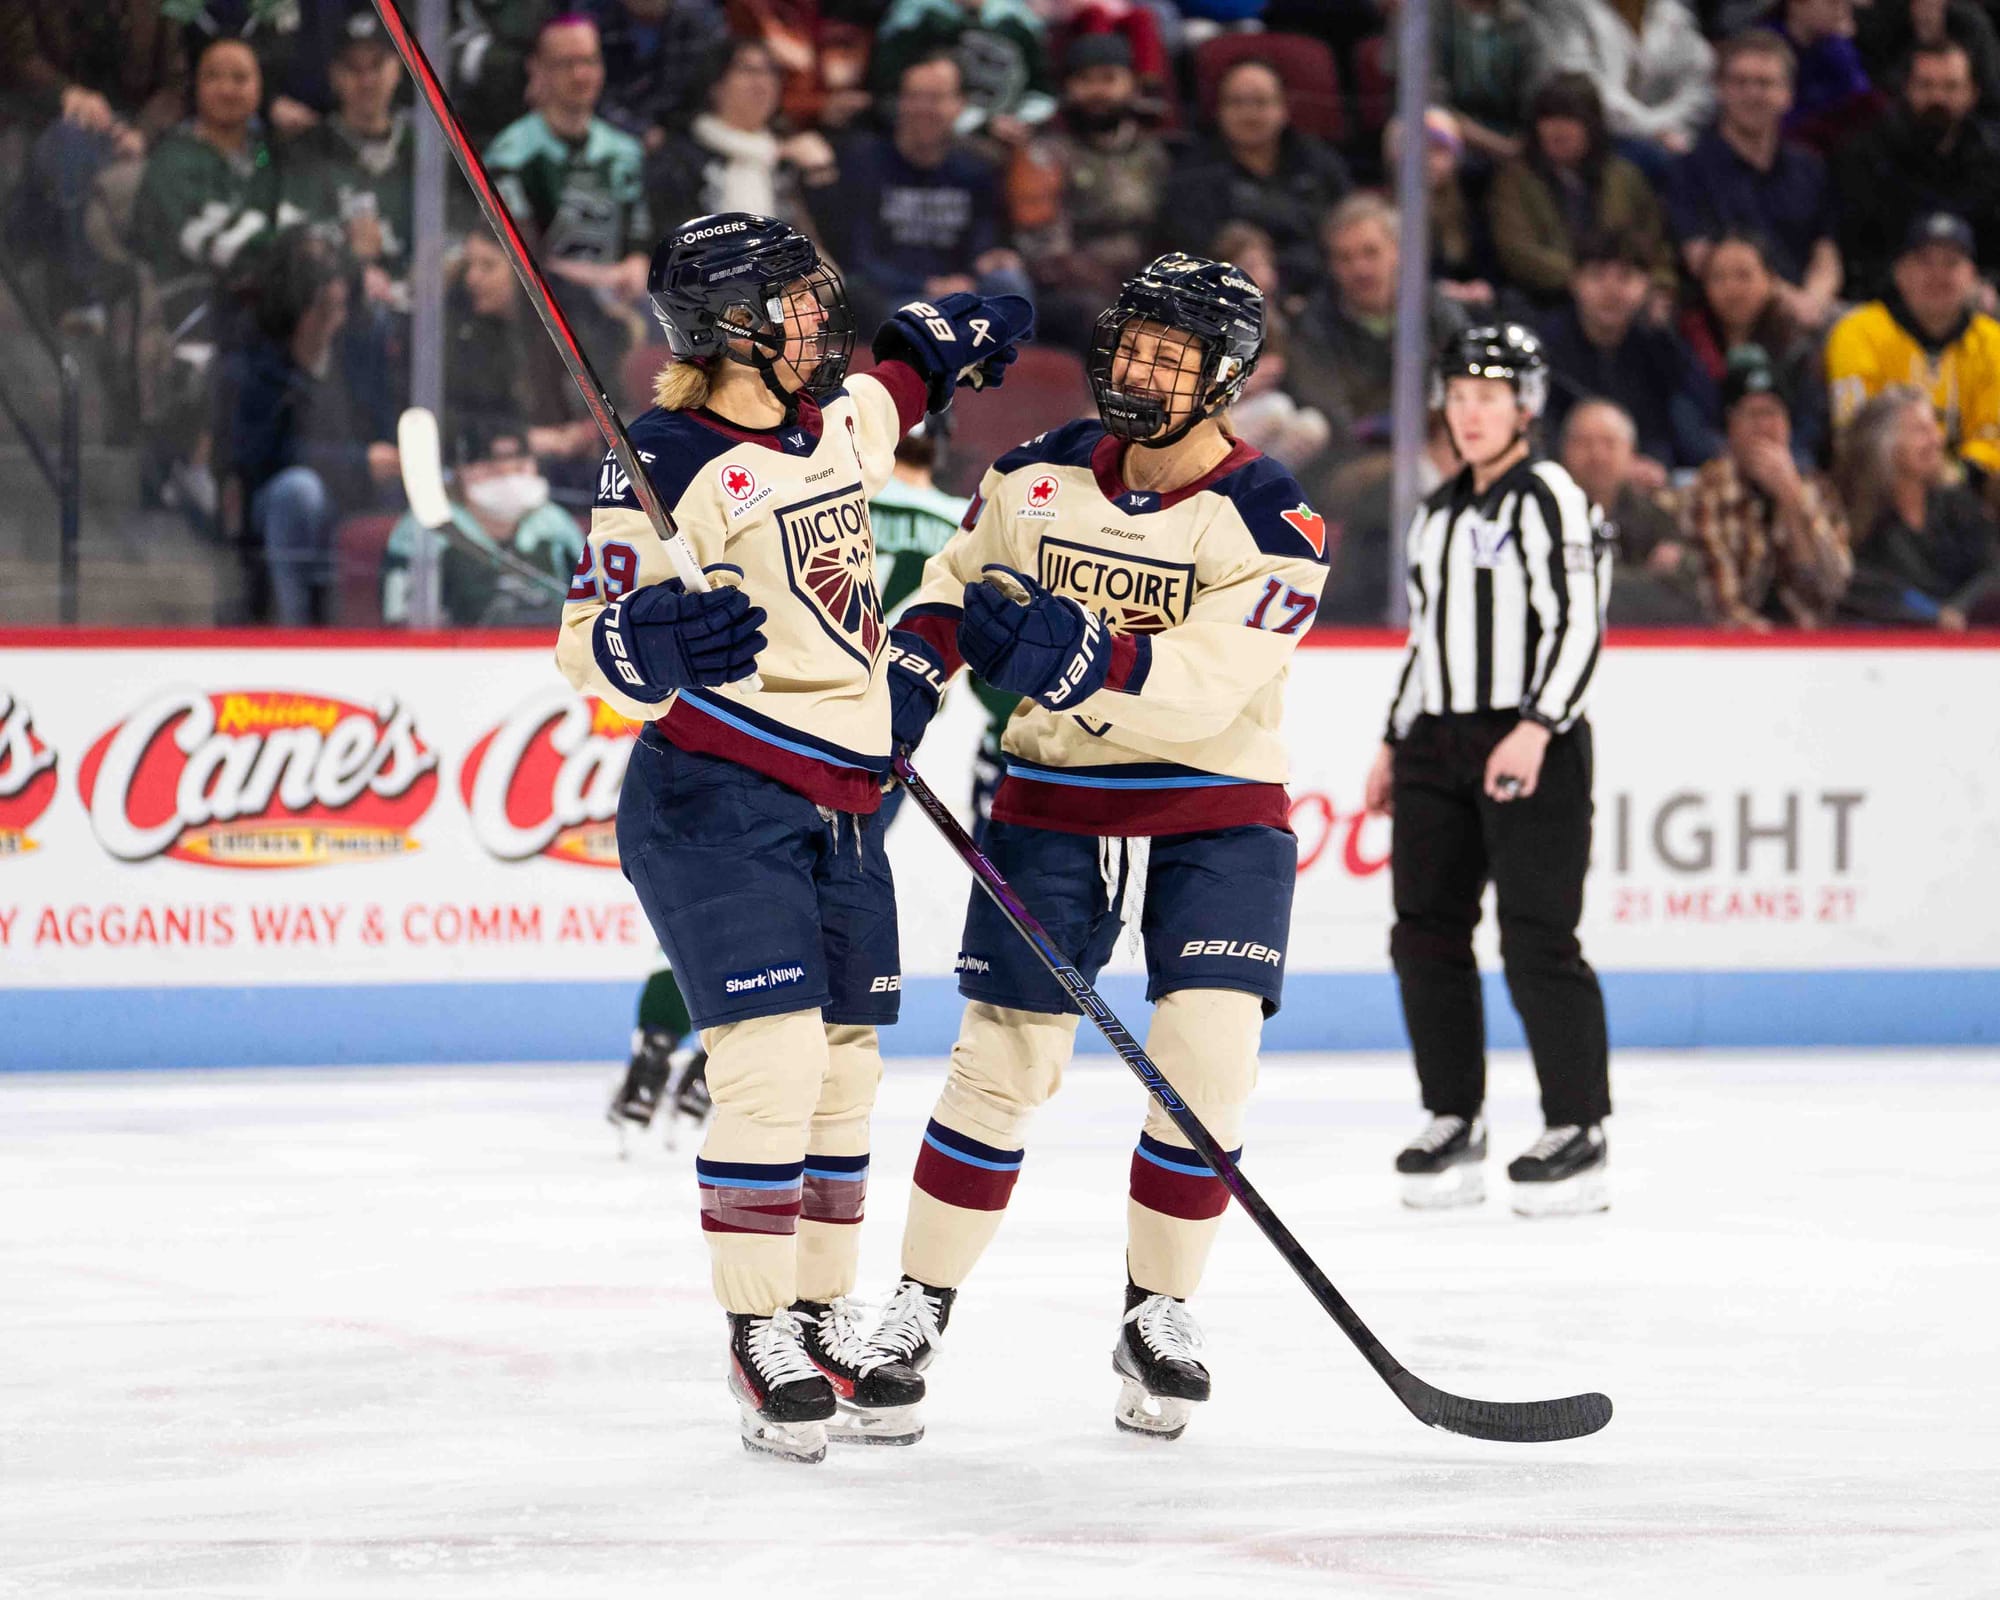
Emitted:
pixel 1930 153
pixel 1602 345
pixel 1832 97
pixel 1655 571
pixel 733 157
pixel 1924 547
pixel 1566 183
pixel 1084 192
pixel 1257 168
pixel 917 215
pixel 1743 174
pixel 1651 63
pixel 1774 538
pixel 351 173
pixel 1002 51
pixel 658 61
pixel 1741 306
pixel 1342 351
pixel 1925 331
pixel 576 184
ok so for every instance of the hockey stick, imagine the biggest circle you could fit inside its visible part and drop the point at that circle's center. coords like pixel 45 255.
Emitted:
pixel 422 465
pixel 687 566
pixel 1511 1421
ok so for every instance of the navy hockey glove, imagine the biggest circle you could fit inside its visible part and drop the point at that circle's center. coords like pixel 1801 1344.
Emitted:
pixel 916 683
pixel 1047 647
pixel 661 638
pixel 964 340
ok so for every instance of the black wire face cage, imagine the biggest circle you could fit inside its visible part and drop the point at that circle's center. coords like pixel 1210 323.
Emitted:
pixel 816 307
pixel 1140 396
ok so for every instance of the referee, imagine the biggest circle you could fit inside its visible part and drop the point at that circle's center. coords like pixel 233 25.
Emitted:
pixel 1486 768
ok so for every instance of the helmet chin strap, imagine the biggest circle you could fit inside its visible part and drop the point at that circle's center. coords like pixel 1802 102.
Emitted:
pixel 761 359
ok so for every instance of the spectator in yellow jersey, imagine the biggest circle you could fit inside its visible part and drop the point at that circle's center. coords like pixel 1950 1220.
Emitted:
pixel 1926 332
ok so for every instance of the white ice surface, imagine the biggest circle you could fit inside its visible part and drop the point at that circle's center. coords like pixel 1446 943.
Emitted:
pixel 418 1334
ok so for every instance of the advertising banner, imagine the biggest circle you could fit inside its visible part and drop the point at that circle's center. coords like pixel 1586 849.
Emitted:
pixel 215 850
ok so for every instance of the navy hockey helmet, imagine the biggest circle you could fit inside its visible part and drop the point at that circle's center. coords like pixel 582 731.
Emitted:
pixel 721 285
pixel 1507 351
pixel 1210 301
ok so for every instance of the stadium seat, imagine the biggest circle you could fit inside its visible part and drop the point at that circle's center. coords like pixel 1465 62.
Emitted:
pixel 1045 388
pixel 1374 85
pixel 1312 81
pixel 359 544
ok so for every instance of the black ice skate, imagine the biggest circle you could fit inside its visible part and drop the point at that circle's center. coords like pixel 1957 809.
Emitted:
pixel 659 1074
pixel 913 1324
pixel 878 1396
pixel 782 1399
pixel 1441 1167
pixel 1562 1174
pixel 1155 1357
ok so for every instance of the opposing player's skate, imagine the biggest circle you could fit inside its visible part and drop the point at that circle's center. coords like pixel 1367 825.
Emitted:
pixel 1443 1166
pixel 878 1396
pixel 783 1401
pixel 1155 1356
pixel 662 1072
pixel 1562 1174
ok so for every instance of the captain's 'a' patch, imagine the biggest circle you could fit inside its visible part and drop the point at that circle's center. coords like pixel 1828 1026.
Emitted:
pixel 830 563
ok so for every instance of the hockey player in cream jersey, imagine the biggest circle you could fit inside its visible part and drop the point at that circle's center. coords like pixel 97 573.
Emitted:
pixel 747 823
pixel 1143 580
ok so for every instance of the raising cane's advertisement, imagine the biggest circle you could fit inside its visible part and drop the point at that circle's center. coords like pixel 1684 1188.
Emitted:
pixel 208 812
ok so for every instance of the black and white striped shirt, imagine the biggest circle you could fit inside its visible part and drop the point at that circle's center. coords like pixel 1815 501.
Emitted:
pixel 1507 596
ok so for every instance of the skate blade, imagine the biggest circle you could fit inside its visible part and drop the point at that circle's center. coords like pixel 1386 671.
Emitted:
pixel 803 1442
pixel 893 1425
pixel 1580 1196
pixel 1462 1184
pixel 1150 1415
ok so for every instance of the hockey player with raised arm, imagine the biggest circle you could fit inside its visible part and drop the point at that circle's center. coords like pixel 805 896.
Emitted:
pixel 1142 579
pixel 748 820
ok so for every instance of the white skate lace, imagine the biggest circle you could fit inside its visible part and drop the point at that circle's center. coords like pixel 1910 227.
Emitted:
pixel 1441 1132
pixel 841 1337
pixel 1549 1143
pixel 909 1322
pixel 1166 1326
pixel 777 1349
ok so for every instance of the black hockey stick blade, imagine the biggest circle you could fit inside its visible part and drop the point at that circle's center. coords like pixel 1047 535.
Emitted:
pixel 1508 1421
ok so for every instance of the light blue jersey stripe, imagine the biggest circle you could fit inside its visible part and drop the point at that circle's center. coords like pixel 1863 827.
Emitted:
pixel 973 1161
pixel 1200 780
pixel 813 751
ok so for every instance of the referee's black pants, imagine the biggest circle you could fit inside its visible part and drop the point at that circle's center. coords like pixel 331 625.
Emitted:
pixel 1450 841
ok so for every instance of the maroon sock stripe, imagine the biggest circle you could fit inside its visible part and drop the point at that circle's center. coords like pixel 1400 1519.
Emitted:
pixel 961 1171
pixel 1172 1180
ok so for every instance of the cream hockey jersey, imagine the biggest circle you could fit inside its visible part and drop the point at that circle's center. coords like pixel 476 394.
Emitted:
pixel 787 509
pixel 1207 589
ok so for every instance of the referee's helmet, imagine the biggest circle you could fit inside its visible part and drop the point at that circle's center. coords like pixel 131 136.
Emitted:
pixel 1508 351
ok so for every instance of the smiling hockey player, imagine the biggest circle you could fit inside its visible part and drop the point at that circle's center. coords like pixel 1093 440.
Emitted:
pixel 1143 580
pixel 747 822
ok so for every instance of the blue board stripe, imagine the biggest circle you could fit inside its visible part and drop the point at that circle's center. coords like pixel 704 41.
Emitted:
pixel 383 1024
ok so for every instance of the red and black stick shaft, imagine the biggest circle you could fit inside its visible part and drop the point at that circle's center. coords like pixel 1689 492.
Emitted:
pixel 595 396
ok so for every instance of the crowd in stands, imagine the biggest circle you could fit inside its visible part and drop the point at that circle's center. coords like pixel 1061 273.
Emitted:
pixel 1759 239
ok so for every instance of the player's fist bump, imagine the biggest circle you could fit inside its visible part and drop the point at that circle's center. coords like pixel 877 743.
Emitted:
pixel 960 340
pixel 661 638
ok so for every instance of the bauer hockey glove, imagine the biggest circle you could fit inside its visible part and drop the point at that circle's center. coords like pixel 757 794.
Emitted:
pixel 1047 647
pixel 964 340
pixel 658 639
pixel 916 684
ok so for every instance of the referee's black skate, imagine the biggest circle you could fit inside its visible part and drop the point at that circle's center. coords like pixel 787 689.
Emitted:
pixel 783 1401
pixel 1443 1166
pixel 1562 1174
pixel 1155 1356
pixel 878 1396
